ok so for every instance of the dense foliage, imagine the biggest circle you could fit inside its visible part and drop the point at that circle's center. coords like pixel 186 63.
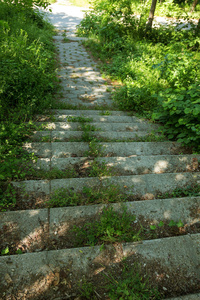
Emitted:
pixel 158 68
pixel 27 84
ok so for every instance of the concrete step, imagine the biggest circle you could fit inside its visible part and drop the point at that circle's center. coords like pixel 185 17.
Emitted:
pixel 92 102
pixel 173 263
pixel 97 118
pixel 129 165
pixel 98 126
pixel 74 149
pixel 66 136
pixel 86 113
pixel 34 230
pixel 140 186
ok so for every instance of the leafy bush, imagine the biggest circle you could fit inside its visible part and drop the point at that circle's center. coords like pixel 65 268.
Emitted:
pixel 26 74
pixel 158 69
pixel 27 85
pixel 179 110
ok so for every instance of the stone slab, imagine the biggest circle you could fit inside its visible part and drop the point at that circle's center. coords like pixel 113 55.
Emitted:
pixel 27 229
pixel 37 271
pixel 152 164
pixel 67 149
pixel 138 185
pixel 153 210
pixel 131 165
pixel 107 119
pixel 33 186
pixel 64 136
pixel 42 150
pixel 92 113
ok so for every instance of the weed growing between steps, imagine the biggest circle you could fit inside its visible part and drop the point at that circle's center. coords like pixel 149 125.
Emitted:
pixel 106 227
pixel 115 227
pixel 149 137
pixel 102 194
pixel 130 285
pixel 187 191
pixel 63 105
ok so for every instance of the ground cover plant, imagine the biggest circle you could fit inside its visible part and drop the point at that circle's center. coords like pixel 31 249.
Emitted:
pixel 157 67
pixel 27 83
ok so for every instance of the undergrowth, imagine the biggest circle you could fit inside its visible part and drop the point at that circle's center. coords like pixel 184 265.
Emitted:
pixel 27 83
pixel 88 195
pixel 158 68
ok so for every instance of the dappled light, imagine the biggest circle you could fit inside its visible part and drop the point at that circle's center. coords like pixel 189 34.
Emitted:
pixel 99 163
pixel 160 166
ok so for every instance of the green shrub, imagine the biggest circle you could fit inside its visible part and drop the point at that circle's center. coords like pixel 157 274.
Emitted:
pixel 179 110
pixel 26 61
pixel 27 85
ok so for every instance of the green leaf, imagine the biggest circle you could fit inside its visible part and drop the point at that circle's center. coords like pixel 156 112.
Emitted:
pixel 180 224
pixel 19 251
pixel 187 110
pixel 161 224
pixel 5 251
pixel 172 223
pixel 152 227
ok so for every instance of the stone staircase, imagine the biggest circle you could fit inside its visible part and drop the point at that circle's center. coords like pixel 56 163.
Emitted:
pixel 91 157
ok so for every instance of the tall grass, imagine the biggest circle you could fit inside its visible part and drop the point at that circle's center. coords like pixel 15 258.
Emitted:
pixel 27 85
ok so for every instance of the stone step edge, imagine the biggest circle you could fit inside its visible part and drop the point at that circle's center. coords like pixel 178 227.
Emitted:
pixel 114 136
pixel 146 185
pixel 154 211
pixel 79 112
pixel 132 165
pixel 182 251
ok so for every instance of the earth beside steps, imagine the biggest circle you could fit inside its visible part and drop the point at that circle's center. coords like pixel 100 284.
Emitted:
pixel 109 160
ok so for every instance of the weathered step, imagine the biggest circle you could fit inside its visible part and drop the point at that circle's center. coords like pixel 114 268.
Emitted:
pixel 98 118
pixel 130 165
pixel 89 102
pixel 155 164
pixel 71 149
pixel 86 113
pixel 137 185
pixel 173 263
pixel 110 126
pixel 69 135
pixel 34 230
